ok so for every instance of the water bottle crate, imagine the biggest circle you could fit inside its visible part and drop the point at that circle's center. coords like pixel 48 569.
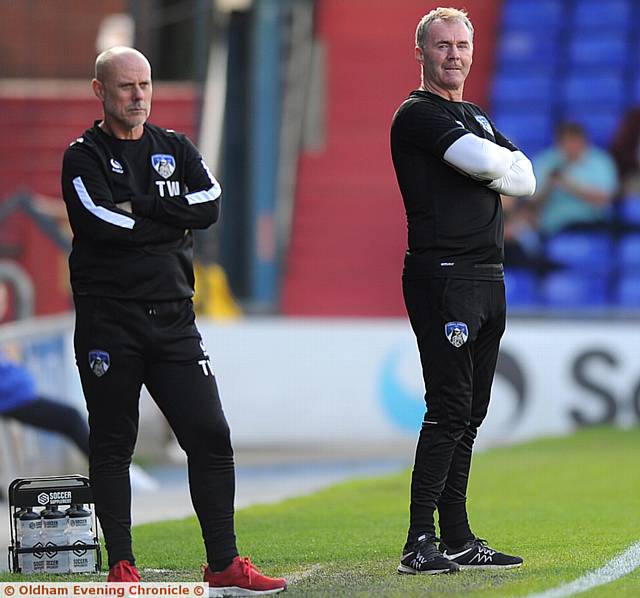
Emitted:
pixel 52 540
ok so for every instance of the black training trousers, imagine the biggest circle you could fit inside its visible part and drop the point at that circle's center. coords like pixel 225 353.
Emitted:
pixel 119 346
pixel 458 377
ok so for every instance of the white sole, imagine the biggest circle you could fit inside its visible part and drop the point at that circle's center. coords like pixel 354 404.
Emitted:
pixel 235 591
pixel 404 570
pixel 494 567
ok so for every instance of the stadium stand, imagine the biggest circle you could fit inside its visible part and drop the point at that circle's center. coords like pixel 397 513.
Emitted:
pixel 581 249
pixel 627 290
pixel 628 211
pixel 629 252
pixel 554 63
pixel 521 287
pixel 588 260
pixel 573 290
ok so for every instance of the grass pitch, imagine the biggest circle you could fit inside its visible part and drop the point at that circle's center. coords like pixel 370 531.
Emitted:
pixel 566 505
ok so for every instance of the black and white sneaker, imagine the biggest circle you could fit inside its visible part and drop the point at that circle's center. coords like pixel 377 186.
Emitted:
pixel 424 558
pixel 476 554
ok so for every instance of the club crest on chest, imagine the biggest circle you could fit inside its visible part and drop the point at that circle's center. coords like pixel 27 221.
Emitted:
pixel 484 123
pixel 163 164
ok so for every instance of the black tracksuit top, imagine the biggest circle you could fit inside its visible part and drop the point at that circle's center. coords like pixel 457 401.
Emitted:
pixel 455 223
pixel 145 255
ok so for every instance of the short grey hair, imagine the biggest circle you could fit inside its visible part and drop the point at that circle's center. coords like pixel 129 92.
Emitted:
pixel 441 14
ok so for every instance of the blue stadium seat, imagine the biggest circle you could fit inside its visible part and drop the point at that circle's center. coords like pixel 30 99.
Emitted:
pixel 575 289
pixel 629 210
pixel 531 131
pixel 595 88
pixel 532 89
pixel 581 249
pixel 521 287
pixel 601 126
pixel 627 291
pixel 537 15
pixel 597 51
pixel 600 122
pixel 615 14
pixel 629 251
pixel 636 85
pixel 526 49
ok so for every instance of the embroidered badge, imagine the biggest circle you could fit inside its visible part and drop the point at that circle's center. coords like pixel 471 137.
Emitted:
pixel 484 123
pixel 163 164
pixel 457 333
pixel 99 362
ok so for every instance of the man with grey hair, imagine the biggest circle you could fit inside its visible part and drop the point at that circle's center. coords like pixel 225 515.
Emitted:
pixel 133 192
pixel 452 166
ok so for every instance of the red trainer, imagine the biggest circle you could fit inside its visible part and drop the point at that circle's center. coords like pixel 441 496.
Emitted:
pixel 241 578
pixel 123 572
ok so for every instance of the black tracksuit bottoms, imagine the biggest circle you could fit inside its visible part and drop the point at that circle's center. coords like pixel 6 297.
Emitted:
pixel 121 345
pixel 458 369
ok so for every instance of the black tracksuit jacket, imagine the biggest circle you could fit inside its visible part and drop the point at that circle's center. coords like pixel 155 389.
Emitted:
pixel 147 254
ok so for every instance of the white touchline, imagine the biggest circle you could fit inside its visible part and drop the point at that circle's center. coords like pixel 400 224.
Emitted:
pixel 617 567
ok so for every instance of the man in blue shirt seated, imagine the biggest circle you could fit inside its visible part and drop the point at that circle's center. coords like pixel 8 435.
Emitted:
pixel 576 182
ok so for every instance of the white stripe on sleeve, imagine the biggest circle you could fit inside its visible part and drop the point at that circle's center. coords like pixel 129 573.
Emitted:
pixel 210 194
pixel 100 211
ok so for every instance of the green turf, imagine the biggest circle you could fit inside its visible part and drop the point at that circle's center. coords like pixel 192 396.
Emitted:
pixel 566 505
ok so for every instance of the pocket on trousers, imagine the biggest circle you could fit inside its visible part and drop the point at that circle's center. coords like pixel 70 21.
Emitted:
pixel 459 301
pixel 85 308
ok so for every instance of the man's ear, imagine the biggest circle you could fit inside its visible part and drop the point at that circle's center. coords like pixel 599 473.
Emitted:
pixel 419 54
pixel 98 89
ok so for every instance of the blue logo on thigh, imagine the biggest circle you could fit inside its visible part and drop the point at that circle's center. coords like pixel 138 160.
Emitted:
pixel 400 384
pixel 457 333
pixel 99 362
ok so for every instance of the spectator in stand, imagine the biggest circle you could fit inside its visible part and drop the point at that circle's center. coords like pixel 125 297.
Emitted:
pixel 625 150
pixel 576 182
pixel 522 243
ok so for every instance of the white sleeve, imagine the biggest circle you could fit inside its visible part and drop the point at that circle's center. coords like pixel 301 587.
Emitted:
pixel 519 181
pixel 479 158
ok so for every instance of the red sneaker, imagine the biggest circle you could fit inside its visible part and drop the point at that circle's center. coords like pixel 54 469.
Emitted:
pixel 241 578
pixel 123 572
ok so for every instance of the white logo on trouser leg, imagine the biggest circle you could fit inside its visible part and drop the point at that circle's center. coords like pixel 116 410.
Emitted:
pixel 206 367
pixel 205 364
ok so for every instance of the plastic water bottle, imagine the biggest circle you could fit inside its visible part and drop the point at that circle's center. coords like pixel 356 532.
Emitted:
pixel 29 527
pixel 80 535
pixel 54 534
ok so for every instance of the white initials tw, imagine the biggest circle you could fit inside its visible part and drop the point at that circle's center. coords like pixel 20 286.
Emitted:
pixel 173 188
pixel 206 367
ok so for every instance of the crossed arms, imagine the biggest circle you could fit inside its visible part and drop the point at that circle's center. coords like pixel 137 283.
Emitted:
pixel 505 171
